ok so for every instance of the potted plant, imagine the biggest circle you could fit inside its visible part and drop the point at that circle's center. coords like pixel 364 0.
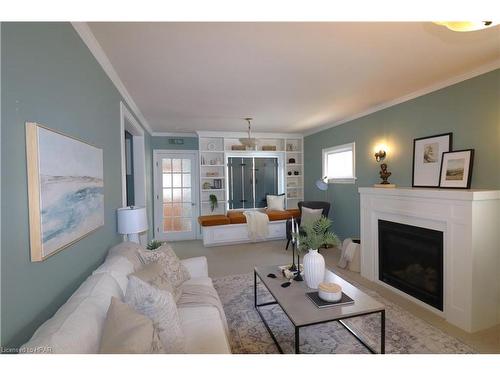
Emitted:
pixel 311 237
pixel 154 244
pixel 213 202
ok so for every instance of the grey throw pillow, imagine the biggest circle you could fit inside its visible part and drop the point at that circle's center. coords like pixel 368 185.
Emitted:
pixel 310 215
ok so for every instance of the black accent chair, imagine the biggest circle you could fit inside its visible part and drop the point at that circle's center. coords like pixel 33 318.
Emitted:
pixel 309 204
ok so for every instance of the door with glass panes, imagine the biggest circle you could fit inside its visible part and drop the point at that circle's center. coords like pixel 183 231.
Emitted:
pixel 176 195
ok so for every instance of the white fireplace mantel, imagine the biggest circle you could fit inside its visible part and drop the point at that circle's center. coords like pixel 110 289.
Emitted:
pixel 470 222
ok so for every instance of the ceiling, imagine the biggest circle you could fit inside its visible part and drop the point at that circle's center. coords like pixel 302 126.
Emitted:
pixel 290 77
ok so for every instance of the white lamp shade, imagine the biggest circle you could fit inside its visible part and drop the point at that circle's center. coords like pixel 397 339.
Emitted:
pixel 321 185
pixel 132 220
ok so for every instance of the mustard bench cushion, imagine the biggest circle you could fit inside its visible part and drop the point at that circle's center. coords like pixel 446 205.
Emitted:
pixel 211 220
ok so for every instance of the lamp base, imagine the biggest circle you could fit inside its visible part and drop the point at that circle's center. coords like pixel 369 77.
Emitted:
pixel 134 237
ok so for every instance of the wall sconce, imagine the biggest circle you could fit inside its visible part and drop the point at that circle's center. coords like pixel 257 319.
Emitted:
pixel 380 155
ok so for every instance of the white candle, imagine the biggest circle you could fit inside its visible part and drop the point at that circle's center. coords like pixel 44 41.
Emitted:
pixel 293 226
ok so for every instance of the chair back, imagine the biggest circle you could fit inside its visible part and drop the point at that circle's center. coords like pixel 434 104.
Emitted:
pixel 315 205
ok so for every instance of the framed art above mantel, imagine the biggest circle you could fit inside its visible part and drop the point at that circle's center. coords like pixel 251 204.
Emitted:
pixel 427 155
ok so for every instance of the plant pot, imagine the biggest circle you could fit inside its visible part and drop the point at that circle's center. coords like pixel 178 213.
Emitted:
pixel 314 268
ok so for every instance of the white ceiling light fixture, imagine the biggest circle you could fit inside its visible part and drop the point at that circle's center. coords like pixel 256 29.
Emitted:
pixel 249 142
pixel 464 26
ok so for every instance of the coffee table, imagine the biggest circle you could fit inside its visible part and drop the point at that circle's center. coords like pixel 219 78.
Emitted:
pixel 302 312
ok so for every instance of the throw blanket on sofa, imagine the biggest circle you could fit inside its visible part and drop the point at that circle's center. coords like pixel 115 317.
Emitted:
pixel 202 295
pixel 258 225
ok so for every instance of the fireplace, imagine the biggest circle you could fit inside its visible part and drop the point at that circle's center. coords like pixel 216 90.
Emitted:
pixel 411 260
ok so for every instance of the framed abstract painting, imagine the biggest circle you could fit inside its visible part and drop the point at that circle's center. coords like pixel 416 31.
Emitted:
pixel 427 154
pixel 65 190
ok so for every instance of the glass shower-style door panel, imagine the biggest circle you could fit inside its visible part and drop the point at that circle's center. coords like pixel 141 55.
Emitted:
pixel 240 171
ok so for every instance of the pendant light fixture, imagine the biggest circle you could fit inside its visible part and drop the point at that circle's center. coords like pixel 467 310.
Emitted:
pixel 249 142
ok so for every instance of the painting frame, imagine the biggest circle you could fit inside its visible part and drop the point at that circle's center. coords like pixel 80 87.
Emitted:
pixel 461 179
pixel 427 157
pixel 55 220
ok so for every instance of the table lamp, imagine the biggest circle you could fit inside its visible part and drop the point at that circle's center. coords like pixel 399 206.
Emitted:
pixel 132 221
pixel 322 184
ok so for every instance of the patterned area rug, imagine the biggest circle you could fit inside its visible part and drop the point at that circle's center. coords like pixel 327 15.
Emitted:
pixel 405 333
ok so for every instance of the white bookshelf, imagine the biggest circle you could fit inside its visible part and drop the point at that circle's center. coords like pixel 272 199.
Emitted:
pixel 213 147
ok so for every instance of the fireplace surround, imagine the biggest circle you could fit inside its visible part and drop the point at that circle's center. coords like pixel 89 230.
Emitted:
pixel 469 222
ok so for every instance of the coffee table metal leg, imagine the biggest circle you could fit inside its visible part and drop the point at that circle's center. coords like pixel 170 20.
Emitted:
pixel 255 289
pixel 382 332
pixel 297 343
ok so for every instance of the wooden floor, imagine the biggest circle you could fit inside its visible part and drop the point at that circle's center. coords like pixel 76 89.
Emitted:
pixel 239 259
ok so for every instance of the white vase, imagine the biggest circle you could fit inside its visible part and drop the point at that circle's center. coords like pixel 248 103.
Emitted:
pixel 314 268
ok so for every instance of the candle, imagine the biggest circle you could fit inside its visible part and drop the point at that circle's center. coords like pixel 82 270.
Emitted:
pixel 297 231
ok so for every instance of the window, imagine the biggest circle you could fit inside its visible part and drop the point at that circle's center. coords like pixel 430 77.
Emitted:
pixel 339 163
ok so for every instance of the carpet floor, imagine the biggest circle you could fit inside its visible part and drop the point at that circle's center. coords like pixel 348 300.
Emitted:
pixel 405 333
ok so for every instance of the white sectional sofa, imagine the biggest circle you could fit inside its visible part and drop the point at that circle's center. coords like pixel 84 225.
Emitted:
pixel 77 326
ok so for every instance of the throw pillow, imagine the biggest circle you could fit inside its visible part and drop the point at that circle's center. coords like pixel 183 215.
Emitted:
pixel 159 306
pixel 156 275
pixel 310 215
pixel 128 332
pixel 176 272
pixel 129 250
pixel 276 202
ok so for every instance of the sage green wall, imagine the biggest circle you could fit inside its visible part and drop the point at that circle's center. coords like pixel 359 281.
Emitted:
pixel 469 109
pixel 49 76
pixel 161 143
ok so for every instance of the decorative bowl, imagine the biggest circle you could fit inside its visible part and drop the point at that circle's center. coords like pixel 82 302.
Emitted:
pixel 330 292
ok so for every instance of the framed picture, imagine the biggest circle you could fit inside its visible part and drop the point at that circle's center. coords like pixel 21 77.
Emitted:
pixel 427 153
pixel 65 190
pixel 456 169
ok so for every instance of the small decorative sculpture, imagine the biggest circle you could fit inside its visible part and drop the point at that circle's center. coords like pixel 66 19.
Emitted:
pixel 384 174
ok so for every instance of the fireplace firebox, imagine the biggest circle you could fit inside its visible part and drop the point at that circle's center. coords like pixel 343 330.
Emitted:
pixel 411 260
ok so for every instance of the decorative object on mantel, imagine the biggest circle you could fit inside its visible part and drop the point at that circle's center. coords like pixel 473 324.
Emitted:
pixel 132 221
pixel 289 173
pixel 291 147
pixel 456 169
pixel 65 190
pixel 213 202
pixel 427 155
pixel 206 185
pixel 296 173
pixel 269 148
pixel 291 161
pixel 212 174
pixel 316 234
pixel 249 142
pixel 380 155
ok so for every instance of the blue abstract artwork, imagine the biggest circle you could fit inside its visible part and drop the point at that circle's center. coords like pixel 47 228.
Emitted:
pixel 71 196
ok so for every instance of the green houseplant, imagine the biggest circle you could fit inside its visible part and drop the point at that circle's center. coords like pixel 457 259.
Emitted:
pixel 154 244
pixel 311 237
pixel 213 202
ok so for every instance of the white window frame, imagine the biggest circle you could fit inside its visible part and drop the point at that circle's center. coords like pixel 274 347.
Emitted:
pixel 335 149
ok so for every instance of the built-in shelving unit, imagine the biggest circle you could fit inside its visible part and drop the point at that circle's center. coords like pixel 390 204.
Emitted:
pixel 213 147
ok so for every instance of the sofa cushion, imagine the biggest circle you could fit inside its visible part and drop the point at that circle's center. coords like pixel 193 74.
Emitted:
pixel 155 275
pixel 207 281
pixel 211 220
pixel 128 250
pixel 128 332
pixel 236 217
pixel 119 268
pixel 173 269
pixel 160 307
pixel 77 326
pixel 204 331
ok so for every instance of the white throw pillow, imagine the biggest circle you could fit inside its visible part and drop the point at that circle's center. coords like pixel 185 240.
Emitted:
pixel 159 306
pixel 276 202
pixel 129 250
pixel 310 215
pixel 176 272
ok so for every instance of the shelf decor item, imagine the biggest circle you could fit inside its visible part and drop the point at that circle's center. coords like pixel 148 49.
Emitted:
pixel 291 161
pixel 213 202
pixel 65 190
pixel 456 169
pixel 269 148
pixel 315 235
pixel 427 156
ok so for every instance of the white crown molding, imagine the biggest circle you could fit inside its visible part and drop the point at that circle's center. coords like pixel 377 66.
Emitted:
pixel 95 48
pixel 174 134
pixel 229 134
pixel 437 86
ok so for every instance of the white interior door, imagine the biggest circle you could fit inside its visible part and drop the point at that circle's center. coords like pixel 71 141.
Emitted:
pixel 176 195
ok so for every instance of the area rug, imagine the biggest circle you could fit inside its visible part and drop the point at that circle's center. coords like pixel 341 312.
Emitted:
pixel 405 333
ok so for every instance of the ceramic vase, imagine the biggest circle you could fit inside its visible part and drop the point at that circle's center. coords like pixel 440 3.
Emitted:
pixel 314 268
